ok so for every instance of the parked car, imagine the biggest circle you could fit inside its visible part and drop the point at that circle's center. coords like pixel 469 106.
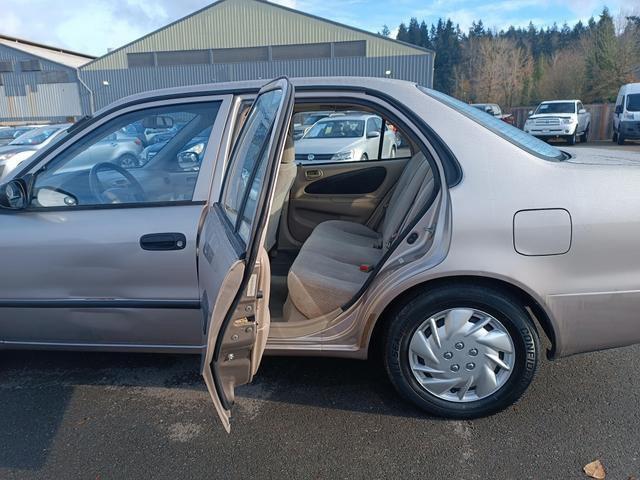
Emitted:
pixel 8 134
pixel 24 146
pixel 304 121
pixel 495 110
pixel 626 117
pixel 566 119
pixel 345 137
pixel 117 147
pixel 451 263
pixel 197 146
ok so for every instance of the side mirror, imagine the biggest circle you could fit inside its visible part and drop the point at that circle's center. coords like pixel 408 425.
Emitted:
pixel 13 195
pixel 618 109
pixel 582 110
pixel 373 134
pixel 530 112
pixel 188 161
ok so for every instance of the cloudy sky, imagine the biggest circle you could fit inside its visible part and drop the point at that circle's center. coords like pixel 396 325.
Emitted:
pixel 93 26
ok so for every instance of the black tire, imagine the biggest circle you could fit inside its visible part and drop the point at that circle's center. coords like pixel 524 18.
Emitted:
pixel 509 311
pixel 620 139
pixel 584 138
pixel 571 139
pixel 614 138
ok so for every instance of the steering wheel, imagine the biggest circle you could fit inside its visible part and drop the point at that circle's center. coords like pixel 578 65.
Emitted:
pixel 131 192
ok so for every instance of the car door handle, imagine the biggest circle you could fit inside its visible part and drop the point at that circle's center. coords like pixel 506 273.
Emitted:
pixel 163 241
pixel 311 174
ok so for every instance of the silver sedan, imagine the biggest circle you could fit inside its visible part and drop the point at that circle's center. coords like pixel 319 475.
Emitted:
pixel 451 260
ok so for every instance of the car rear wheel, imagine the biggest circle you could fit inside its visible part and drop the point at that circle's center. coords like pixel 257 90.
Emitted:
pixel 461 351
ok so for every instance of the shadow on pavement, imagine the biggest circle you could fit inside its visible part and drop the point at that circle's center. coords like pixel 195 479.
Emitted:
pixel 37 387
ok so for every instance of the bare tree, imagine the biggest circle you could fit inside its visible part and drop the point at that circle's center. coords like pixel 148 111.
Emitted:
pixel 498 71
pixel 564 75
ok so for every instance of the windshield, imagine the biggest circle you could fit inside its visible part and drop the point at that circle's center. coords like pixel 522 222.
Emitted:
pixel 510 133
pixel 7 132
pixel 633 102
pixel 342 128
pixel 311 119
pixel 35 137
pixel 559 107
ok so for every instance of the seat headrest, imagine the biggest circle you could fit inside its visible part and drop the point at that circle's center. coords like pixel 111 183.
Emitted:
pixel 289 154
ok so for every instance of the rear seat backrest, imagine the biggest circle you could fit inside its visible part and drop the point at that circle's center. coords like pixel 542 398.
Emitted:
pixel 414 176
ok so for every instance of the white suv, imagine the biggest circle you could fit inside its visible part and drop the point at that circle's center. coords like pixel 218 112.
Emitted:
pixel 566 119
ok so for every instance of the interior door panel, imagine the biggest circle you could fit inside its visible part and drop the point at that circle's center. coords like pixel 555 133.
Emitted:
pixel 345 191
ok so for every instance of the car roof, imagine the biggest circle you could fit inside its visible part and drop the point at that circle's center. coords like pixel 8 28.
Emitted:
pixel 560 101
pixel 630 88
pixel 386 85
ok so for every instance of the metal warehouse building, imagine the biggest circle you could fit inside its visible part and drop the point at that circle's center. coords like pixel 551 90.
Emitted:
pixel 39 83
pixel 250 39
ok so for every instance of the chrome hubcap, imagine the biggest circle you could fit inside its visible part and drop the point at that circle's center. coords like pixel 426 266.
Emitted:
pixel 461 355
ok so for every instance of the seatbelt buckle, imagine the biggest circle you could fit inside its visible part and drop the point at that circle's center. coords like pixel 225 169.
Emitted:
pixel 366 268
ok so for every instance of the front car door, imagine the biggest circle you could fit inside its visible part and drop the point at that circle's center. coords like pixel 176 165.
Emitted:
pixel 104 256
pixel 233 265
pixel 582 118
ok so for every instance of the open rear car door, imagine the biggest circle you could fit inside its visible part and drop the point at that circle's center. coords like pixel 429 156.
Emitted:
pixel 233 266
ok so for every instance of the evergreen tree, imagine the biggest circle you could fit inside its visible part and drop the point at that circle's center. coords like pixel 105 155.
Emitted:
pixel 590 59
pixel 601 61
pixel 385 31
pixel 414 32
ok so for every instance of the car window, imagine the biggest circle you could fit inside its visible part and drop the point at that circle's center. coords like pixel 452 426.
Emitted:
pixel 7 133
pixel 351 135
pixel 633 102
pixel 36 136
pixel 556 107
pixel 336 128
pixel 126 161
pixel 248 161
pixel 372 127
pixel 503 129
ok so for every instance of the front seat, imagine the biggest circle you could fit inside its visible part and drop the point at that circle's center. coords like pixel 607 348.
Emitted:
pixel 286 176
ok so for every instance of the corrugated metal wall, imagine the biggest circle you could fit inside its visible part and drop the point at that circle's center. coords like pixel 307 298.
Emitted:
pixel 24 97
pixel 601 119
pixel 248 23
pixel 123 82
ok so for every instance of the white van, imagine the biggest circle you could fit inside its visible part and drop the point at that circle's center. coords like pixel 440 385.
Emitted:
pixel 626 117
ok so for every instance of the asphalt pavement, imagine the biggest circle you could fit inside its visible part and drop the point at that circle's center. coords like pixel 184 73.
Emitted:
pixel 113 416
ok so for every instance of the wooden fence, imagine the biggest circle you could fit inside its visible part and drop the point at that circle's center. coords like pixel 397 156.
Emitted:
pixel 601 119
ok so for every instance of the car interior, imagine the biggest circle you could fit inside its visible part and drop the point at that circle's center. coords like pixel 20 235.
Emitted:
pixel 331 222
pixel 83 176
